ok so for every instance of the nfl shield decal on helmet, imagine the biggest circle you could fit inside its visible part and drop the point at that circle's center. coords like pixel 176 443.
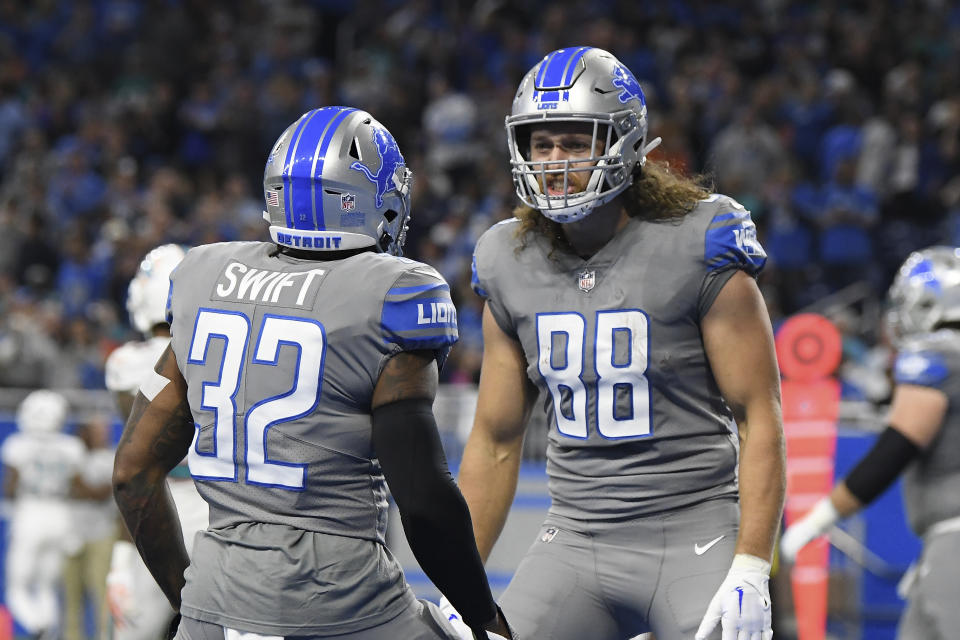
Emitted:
pixel 348 201
pixel 586 280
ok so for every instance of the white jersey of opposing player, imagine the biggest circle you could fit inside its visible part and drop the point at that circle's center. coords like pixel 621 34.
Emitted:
pixel 128 365
pixel 40 527
pixel 45 462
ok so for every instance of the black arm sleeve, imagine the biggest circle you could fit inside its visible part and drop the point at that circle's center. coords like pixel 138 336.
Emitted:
pixel 890 455
pixel 436 520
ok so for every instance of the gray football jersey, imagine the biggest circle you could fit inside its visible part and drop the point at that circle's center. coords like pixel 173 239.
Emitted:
pixel 281 356
pixel 931 484
pixel 637 424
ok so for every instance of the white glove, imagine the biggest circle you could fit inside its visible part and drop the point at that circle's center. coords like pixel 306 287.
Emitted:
pixel 742 603
pixel 120 584
pixel 463 631
pixel 818 520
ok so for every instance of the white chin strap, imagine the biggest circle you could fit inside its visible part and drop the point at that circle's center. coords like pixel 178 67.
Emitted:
pixel 320 240
pixel 572 212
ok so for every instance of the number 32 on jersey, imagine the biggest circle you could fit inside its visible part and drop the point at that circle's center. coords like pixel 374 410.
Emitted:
pixel 621 352
pixel 218 397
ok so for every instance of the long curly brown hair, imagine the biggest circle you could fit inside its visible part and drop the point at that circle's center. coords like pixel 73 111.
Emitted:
pixel 657 194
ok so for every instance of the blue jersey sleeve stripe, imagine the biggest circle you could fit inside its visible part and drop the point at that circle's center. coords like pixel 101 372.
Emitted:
pixel 729 217
pixel 923 369
pixel 475 280
pixel 436 341
pixel 403 291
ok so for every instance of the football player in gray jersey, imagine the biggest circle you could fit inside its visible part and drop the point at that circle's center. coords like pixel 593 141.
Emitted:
pixel 624 296
pixel 300 376
pixel 921 441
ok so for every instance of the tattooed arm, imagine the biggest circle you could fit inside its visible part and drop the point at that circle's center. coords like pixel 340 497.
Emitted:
pixel 157 436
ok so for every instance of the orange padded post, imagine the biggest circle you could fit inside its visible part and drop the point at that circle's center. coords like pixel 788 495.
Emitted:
pixel 809 351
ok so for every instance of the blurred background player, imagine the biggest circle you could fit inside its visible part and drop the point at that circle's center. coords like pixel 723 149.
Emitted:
pixel 921 441
pixel 94 531
pixel 41 468
pixel 309 365
pixel 625 296
pixel 138 607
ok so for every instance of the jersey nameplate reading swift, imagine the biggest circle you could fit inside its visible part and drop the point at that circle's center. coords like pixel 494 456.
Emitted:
pixel 240 283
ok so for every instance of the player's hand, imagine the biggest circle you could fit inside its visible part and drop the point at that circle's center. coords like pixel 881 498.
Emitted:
pixel 463 631
pixel 808 528
pixel 742 603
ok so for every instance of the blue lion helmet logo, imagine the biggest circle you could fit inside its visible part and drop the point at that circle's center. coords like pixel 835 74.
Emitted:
pixel 390 159
pixel 623 79
pixel 922 273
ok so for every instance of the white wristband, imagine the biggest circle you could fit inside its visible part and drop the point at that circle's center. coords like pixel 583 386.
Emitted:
pixel 822 516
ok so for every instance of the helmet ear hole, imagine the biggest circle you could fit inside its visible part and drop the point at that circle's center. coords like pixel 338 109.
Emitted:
pixel 390 215
pixel 354 149
pixel 523 141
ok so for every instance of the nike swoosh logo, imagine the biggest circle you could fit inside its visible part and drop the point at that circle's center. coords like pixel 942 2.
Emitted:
pixel 697 549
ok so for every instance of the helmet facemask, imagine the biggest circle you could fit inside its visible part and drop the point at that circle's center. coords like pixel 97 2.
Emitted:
pixel 579 85
pixel 615 141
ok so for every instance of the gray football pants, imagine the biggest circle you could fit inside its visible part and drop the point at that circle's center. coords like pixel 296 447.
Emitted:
pixel 420 622
pixel 933 601
pixel 653 574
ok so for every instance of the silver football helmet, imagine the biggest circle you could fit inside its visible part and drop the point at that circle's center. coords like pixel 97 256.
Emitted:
pixel 149 289
pixel 584 85
pixel 42 411
pixel 925 292
pixel 336 180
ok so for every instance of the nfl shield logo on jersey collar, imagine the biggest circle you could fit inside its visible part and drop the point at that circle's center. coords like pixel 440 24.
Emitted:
pixel 586 280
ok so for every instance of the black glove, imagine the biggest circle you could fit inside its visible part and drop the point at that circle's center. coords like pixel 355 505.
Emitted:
pixel 174 625
pixel 498 625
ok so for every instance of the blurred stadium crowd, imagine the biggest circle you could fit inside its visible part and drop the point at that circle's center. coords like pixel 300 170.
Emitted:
pixel 126 124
